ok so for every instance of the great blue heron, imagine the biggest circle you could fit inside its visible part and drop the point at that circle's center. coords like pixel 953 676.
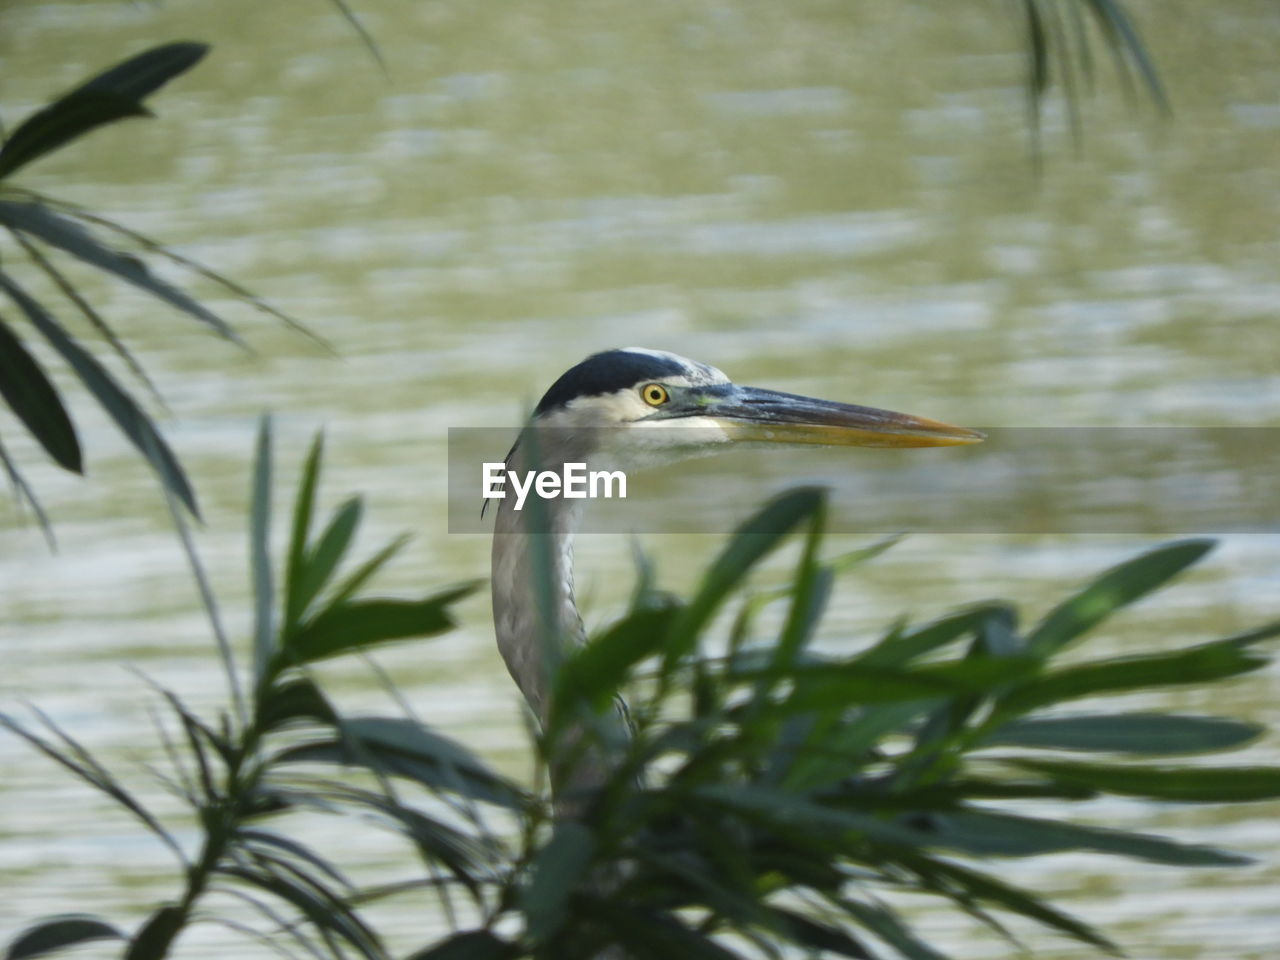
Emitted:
pixel 617 406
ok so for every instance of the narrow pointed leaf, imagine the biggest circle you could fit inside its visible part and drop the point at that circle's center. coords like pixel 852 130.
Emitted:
pixel 135 424
pixel 260 555
pixel 35 401
pixel 362 624
pixel 112 95
pixel 58 231
pixel 469 945
pixel 988 833
pixel 58 933
pixel 1146 733
pixel 1188 784
pixel 1211 661
pixel 984 887
pixel 303 507
pixel 320 563
pixel 557 871
pixel 1116 588
pixel 404 748
pixel 754 540
pixel 153 938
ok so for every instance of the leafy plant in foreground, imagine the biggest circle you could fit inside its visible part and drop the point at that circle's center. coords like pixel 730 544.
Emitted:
pixel 769 798
pixel 43 228
pixel 239 772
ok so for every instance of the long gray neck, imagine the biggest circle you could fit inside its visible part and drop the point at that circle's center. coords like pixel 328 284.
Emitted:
pixel 535 620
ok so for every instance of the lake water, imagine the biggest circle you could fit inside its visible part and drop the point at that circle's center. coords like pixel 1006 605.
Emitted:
pixel 821 196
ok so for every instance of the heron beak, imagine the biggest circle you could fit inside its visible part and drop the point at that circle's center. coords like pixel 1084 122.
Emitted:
pixel 752 414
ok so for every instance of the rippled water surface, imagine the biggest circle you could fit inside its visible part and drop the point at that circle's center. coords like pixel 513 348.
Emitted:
pixel 820 196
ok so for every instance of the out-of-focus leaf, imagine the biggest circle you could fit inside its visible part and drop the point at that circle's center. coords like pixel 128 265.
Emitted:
pixel 1146 733
pixel 402 747
pixel 902 646
pixel 295 699
pixel 886 925
pixel 365 571
pixel 842 747
pixel 35 402
pixel 322 908
pixel 303 507
pixel 135 424
pixel 557 870
pixel 651 934
pixel 1210 661
pixel 1118 587
pixel 465 856
pixel 112 95
pixel 361 624
pixel 596 670
pixel 265 838
pixel 22 491
pixel 750 543
pixel 58 933
pixel 821 937
pixel 319 564
pixel 989 833
pixel 958 881
pixel 58 231
pixel 154 937
pixel 782 809
pixel 264 633
pixel 469 945
pixel 1187 784
pixel 852 683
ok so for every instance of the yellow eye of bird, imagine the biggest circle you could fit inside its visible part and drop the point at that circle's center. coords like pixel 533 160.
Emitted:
pixel 655 394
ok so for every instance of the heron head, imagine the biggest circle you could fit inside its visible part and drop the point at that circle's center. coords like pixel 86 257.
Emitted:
pixel 639 405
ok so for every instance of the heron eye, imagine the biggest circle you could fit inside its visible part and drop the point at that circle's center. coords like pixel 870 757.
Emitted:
pixel 655 394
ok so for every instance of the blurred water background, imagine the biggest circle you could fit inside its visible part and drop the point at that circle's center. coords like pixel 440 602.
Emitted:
pixel 821 196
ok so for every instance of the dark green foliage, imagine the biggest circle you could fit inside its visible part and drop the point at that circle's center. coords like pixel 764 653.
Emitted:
pixel 766 793
pixel 58 933
pixel 42 228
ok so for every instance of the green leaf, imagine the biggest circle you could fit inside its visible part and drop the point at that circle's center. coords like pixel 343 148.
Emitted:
pixel 362 574
pixel 400 747
pixel 1126 733
pixel 754 540
pixel 303 507
pixel 361 624
pixel 58 231
pixel 597 670
pixel 902 646
pixel 1116 588
pixel 1211 661
pixel 653 934
pixel 469 945
pixel 264 634
pixel 135 424
pixel 852 683
pixel 821 937
pixel 112 95
pixel 153 938
pixel 35 402
pixel 558 869
pixel 319 564
pixel 265 838
pixel 57 933
pixel 1189 784
pixel 321 907
pixel 886 925
pixel 296 699
pixel 957 881
pixel 990 833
